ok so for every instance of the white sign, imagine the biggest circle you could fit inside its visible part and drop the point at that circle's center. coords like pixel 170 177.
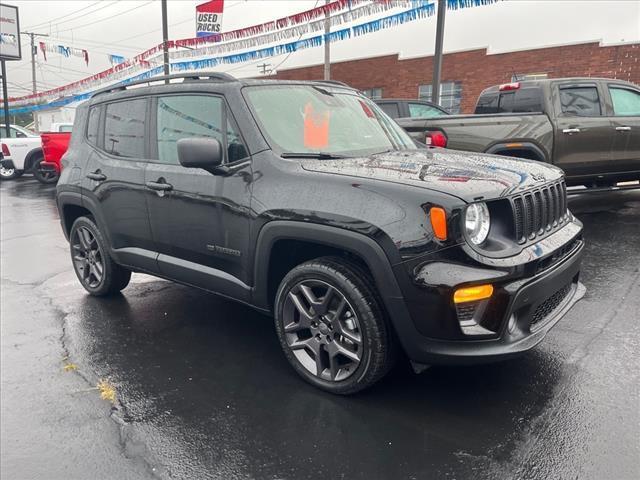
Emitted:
pixel 9 33
pixel 209 18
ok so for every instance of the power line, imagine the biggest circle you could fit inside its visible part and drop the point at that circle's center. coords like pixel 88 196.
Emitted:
pixel 50 22
pixel 106 18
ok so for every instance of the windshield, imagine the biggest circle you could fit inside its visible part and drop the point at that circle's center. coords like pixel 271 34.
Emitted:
pixel 317 118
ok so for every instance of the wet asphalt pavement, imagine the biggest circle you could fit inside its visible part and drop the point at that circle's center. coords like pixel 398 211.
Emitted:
pixel 203 390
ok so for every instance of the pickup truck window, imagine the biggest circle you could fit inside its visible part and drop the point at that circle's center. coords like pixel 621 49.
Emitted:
pixel 625 101
pixel 420 110
pixel 125 127
pixel 309 118
pixel 525 100
pixel 580 101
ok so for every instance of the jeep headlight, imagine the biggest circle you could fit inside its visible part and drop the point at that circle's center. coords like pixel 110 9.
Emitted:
pixel 477 222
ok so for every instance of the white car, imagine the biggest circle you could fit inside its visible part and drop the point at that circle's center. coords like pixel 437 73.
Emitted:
pixel 22 152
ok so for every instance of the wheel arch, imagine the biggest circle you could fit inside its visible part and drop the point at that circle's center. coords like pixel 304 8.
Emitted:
pixel 528 150
pixel 283 244
pixel 31 158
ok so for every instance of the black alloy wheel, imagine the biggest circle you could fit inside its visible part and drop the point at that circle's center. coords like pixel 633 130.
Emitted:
pixel 322 330
pixel 87 257
pixel 94 267
pixel 332 327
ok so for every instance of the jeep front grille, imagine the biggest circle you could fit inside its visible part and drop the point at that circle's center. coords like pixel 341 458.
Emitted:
pixel 538 211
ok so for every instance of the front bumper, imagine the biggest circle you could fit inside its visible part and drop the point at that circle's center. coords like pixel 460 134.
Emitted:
pixel 525 309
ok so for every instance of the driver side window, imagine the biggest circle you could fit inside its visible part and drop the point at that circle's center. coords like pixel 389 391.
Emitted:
pixel 189 116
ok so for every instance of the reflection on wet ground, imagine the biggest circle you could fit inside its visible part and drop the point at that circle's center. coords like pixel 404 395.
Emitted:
pixel 205 392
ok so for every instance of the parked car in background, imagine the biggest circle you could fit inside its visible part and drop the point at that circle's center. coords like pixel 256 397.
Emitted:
pixel 27 155
pixel 54 145
pixel 305 201
pixel 399 108
pixel 23 152
pixel 588 127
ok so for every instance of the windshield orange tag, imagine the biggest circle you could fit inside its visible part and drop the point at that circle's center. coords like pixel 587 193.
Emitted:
pixel 316 128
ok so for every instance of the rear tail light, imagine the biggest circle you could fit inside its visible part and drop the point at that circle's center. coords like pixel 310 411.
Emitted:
pixel 5 150
pixel 436 139
pixel 505 87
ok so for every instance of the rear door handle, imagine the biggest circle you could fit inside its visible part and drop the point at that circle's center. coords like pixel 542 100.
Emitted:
pixel 571 131
pixel 623 129
pixel 159 186
pixel 98 176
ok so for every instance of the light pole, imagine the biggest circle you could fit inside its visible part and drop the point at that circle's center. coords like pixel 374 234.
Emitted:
pixel 437 57
pixel 327 45
pixel 165 39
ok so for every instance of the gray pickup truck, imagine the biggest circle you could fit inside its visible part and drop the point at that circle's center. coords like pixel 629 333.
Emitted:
pixel 589 127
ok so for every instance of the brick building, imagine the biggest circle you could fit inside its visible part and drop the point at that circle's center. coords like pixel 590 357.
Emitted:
pixel 465 74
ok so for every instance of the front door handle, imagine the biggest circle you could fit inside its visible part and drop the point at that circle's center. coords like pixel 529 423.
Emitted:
pixel 98 176
pixel 159 186
pixel 571 131
pixel 623 129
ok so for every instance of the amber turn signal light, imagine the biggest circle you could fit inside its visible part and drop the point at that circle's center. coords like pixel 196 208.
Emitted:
pixel 438 222
pixel 472 294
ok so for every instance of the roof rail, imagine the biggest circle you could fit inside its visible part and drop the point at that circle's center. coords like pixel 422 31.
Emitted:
pixel 334 82
pixel 187 77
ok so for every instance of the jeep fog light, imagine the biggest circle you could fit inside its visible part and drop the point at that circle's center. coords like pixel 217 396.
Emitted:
pixel 472 294
pixel 477 222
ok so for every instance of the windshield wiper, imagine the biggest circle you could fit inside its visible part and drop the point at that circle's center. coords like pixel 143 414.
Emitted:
pixel 316 155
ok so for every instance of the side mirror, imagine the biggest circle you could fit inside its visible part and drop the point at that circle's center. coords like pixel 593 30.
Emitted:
pixel 205 153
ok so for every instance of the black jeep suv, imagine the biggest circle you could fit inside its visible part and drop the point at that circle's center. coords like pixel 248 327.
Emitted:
pixel 304 200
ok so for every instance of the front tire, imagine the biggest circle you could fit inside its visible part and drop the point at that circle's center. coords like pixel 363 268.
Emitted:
pixel 331 326
pixel 94 267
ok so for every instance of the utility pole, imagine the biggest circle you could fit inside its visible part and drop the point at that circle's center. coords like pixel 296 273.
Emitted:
pixel 165 38
pixel 5 98
pixel 437 58
pixel 327 45
pixel 34 86
pixel 263 68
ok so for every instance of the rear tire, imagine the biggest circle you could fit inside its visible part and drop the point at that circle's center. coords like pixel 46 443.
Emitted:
pixel 331 326
pixel 94 267
pixel 44 175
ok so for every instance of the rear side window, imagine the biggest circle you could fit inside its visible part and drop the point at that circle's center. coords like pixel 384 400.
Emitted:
pixel 124 128
pixel 420 110
pixel 625 101
pixel 390 109
pixel 194 116
pixel 93 124
pixel 580 101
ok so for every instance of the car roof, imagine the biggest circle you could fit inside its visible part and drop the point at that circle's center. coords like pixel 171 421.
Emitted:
pixel 546 81
pixel 205 79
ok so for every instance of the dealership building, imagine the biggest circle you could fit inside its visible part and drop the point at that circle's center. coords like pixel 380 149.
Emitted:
pixel 485 46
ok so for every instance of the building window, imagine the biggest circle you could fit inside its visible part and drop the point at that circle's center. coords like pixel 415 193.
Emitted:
pixel 521 77
pixel 450 95
pixel 373 93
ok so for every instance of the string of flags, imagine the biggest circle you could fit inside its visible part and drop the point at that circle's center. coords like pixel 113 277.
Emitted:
pixel 127 70
pixel 64 51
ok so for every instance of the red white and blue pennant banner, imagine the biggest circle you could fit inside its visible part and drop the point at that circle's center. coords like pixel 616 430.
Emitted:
pixel 293 26
pixel 64 51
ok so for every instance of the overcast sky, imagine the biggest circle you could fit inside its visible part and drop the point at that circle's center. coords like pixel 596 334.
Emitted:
pixel 127 27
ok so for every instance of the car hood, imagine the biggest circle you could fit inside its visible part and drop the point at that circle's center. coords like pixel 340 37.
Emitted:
pixel 467 175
